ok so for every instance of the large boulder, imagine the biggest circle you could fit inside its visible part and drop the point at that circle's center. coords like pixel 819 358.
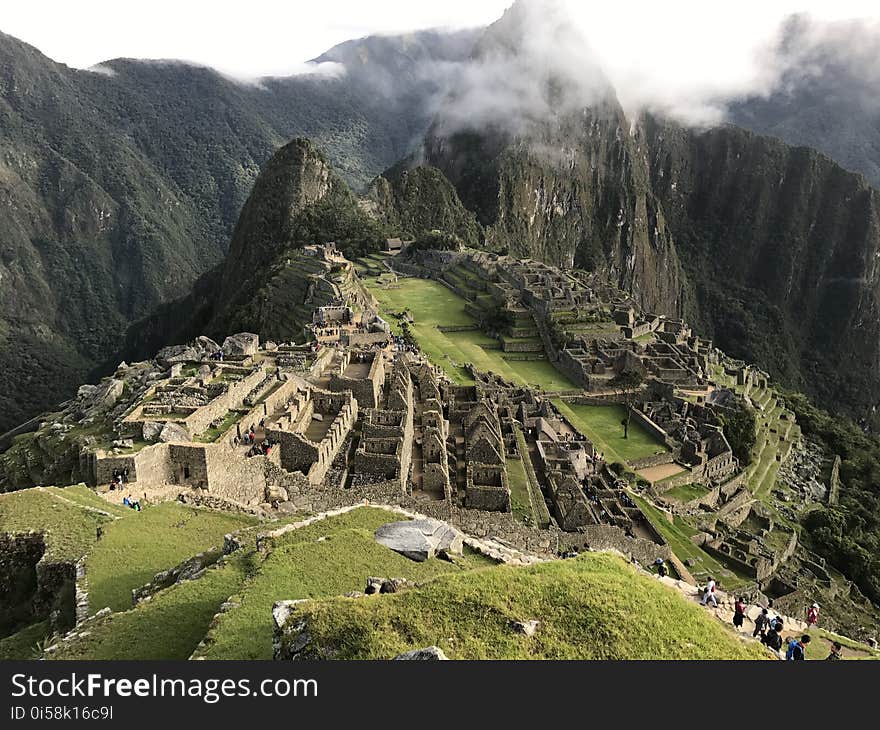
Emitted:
pixel 169 356
pixel 420 540
pixel 206 345
pixel 173 432
pixel 241 345
pixel 151 431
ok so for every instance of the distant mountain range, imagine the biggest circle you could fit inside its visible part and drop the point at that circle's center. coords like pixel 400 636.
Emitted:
pixel 122 187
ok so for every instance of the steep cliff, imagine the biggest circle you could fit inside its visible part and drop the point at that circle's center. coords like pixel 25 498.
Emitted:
pixel 121 187
pixel 541 151
pixel 266 285
pixel 412 202
pixel 782 246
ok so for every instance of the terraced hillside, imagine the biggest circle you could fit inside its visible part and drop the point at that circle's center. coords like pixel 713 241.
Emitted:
pixel 331 557
pixel 451 337
pixel 121 550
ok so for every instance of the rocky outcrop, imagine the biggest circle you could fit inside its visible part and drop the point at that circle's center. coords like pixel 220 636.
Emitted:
pixel 420 540
pixel 413 202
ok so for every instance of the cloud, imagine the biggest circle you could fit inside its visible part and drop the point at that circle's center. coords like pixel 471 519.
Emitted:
pixel 686 60
pixel 101 70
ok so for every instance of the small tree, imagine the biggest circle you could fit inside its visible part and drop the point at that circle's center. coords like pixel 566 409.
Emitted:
pixel 628 382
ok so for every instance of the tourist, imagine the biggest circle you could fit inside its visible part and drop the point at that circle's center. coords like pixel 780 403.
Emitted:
pixel 709 593
pixel 773 640
pixel 762 623
pixel 835 655
pixel 739 612
pixel 797 649
pixel 661 567
pixel 813 615
pixel 126 502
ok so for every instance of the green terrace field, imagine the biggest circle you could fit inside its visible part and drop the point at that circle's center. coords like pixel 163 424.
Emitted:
pixel 328 558
pixel 678 535
pixel 142 544
pixel 603 426
pixel 132 548
pixel 69 518
pixel 433 305
pixel 595 606
pixel 776 437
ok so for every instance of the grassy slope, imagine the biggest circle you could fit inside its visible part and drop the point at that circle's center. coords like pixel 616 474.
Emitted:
pixel 594 607
pixel 302 567
pixel 23 644
pixel 678 536
pixel 433 304
pixel 134 549
pixel 70 529
pixel 169 626
pixel 602 425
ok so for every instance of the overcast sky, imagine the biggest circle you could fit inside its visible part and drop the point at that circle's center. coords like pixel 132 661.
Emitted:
pixel 267 37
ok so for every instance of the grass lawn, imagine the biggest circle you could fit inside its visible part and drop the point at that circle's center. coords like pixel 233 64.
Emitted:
pixel 302 567
pixel 169 626
pixel 433 304
pixel 142 544
pixel 23 644
pixel 214 433
pixel 820 645
pixel 602 425
pixel 593 607
pixel 520 499
pixel 678 535
pixel 686 492
pixel 70 528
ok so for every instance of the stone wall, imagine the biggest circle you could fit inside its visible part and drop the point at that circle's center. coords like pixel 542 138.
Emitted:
pixel 19 556
pixel 610 537
pixel 649 461
pixel 651 427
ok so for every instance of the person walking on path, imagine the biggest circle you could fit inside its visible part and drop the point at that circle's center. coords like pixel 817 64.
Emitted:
pixel 813 615
pixel 761 624
pixel 797 649
pixel 739 613
pixel 836 648
pixel 709 593
pixel 774 637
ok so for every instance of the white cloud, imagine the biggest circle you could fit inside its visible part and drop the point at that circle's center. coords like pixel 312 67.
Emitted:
pixel 684 57
pixel 243 39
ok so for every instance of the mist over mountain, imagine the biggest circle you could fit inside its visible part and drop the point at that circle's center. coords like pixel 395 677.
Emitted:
pixel 124 184
pixel 828 97
pixel 767 248
pixel 121 187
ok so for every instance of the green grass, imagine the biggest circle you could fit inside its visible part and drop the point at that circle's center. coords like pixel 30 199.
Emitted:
pixel 302 567
pixel 678 535
pixel 169 626
pixel 23 644
pixel 215 432
pixel 70 529
pixel 686 492
pixel 820 645
pixel 520 498
pixel 593 607
pixel 85 497
pixel 137 547
pixel 602 425
pixel 433 304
